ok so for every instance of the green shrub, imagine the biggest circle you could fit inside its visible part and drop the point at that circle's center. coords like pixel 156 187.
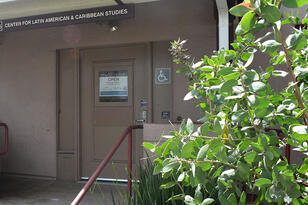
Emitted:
pixel 147 189
pixel 243 157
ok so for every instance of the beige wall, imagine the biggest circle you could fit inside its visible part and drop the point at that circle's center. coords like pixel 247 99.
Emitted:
pixel 28 72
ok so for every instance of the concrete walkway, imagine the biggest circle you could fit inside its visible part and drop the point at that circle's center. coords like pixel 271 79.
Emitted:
pixel 26 191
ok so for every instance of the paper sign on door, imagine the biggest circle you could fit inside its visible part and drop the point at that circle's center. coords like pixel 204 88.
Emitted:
pixel 113 86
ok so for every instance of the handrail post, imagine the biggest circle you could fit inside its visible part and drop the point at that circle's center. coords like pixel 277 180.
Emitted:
pixel 98 170
pixel 128 132
pixel 129 166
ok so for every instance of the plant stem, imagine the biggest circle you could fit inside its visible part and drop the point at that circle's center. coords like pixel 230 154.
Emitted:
pixel 181 188
pixel 297 93
pixel 210 161
pixel 222 139
pixel 219 138
pixel 210 104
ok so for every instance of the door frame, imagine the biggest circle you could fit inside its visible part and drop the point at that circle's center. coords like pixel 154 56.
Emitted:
pixel 77 78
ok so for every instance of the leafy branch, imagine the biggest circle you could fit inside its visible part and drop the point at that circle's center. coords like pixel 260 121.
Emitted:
pixel 296 89
pixel 207 161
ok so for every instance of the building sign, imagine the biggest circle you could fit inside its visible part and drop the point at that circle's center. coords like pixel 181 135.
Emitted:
pixel 70 17
pixel 162 76
pixel 113 86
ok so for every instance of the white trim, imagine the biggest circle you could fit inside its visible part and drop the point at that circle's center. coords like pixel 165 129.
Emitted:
pixel 223 24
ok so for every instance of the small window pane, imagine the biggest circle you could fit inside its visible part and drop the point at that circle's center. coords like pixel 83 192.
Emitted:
pixel 113 86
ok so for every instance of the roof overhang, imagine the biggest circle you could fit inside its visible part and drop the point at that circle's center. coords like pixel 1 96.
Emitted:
pixel 10 9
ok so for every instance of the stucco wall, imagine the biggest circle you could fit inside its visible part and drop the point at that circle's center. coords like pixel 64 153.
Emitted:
pixel 28 72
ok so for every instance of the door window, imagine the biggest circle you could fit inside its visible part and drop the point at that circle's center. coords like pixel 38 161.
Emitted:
pixel 113 86
pixel 113 83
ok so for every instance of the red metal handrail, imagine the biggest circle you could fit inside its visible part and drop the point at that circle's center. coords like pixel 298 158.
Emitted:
pixel 6 144
pixel 128 132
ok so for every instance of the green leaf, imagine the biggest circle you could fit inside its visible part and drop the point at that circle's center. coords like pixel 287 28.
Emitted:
pixel 227 86
pixel 253 100
pixel 266 76
pixel 170 166
pixel 157 169
pixel 239 10
pixel 250 157
pixel 204 119
pixel 271 13
pixel 204 129
pixel 296 41
pixel 304 168
pixel 183 129
pixel 272 194
pixel 263 182
pixel 270 46
pixel 198 193
pixel 167 185
pixel 190 126
pixel 263 102
pixel 217 126
pixel 181 177
pixel 188 149
pixel 176 197
pixel 273 137
pixel 248 21
pixel 225 71
pixel 227 174
pixel 270 69
pixel 207 68
pixel 243 198
pixel 232 199
pixel 234 75
pixel 245 56
pixel 239 116
pixel 204 165
pixel 189 200
pixel 294 3
pixel 149 146
pixel 280 59
pixel 181 70
pixel 259 26
pixel 215 145
pixel 202 152
pixel 207 201
pixel 300 113
pixel 239 31
pixel 269 155
pixel 280 73
pixel 243 170
pixel 232 97
pixel 196 65
pixel 257 86
pixel 249 61
pixel 223 200
pixel 250 76
pixel 300 133
pixel 299 71
pixel 262 112
pixel 188 96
